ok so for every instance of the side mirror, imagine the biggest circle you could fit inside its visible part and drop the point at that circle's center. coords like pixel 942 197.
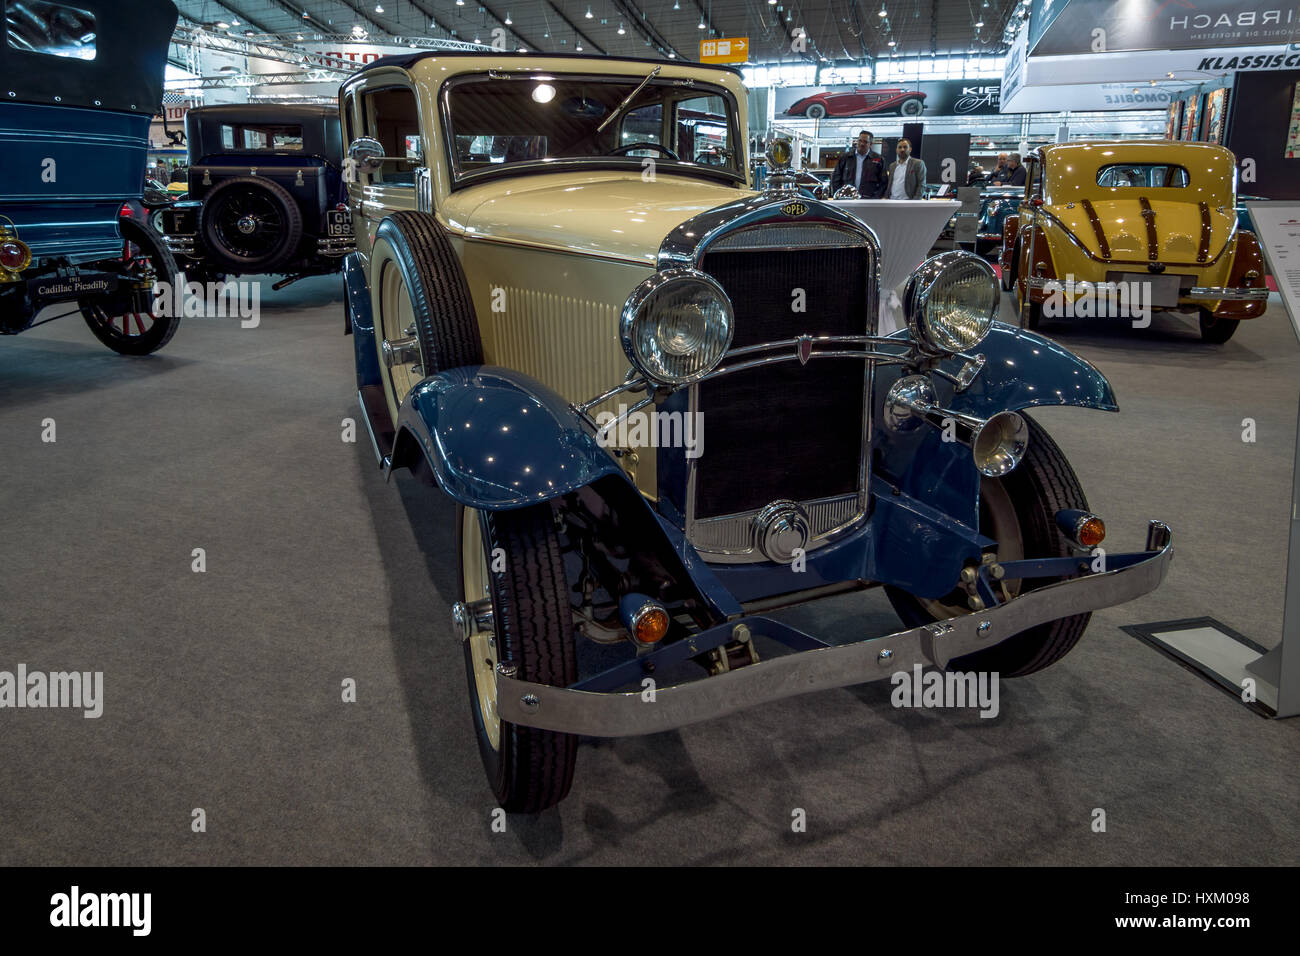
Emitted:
pixel 367 152
pixel 415 152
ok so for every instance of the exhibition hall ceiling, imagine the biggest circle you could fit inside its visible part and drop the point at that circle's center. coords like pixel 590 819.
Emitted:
pixel 836 30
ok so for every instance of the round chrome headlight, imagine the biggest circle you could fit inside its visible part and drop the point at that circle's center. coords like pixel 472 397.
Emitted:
pixel 951 302
pixel 676 326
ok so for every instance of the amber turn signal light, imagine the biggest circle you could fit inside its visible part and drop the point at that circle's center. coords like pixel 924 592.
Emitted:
pixel 1082 527
pixel 645 618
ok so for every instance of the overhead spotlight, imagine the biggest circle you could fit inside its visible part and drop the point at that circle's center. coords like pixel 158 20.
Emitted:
pixel 379 8
pixel 508 20
pixel 460 3
pixel 234 23
pixel 672 55
pixel 306 15
pixel 700 25
pixel 621 31
pixel 299 37
pixel 578 48
pixel 883 12
pixel 223 25
pixel 677 5
pixel 1170 75
pixel 978 24
pixel 588 13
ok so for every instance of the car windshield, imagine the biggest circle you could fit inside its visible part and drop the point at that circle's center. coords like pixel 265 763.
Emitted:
pixel 497 122
pixel 1147 175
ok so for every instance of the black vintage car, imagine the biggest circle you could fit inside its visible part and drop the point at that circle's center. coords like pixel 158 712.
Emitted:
pixel 265 192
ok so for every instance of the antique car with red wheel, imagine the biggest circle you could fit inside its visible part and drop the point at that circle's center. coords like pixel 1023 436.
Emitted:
pixel 1124 229
pixel 82 81
pixel 860 102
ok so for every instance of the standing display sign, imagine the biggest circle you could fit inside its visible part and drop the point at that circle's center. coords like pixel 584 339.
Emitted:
pixel 1277 225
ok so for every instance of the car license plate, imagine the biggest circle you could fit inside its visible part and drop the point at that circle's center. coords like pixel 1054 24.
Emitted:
pixel 338 223
pixel 1164 288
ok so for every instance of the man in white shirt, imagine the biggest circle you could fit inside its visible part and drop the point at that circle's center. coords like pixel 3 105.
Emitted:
pixel 907 175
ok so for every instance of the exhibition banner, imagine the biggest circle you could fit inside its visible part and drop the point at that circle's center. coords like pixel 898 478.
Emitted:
pixel 926 97
pixel 1104 26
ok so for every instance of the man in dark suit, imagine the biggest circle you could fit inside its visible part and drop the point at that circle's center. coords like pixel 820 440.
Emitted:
pixel 860 168
pixel 1015 172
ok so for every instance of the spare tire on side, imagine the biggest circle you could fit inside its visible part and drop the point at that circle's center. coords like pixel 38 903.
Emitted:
pixel 250 224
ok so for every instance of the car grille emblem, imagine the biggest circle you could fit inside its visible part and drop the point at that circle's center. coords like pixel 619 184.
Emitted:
pixel 805 349
pixel 794 209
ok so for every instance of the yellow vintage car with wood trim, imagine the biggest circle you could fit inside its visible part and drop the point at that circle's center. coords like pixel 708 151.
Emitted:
pixel 1125 228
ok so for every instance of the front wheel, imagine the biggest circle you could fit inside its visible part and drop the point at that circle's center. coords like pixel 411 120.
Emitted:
pixel 1019 513
pixel 116 319
pixel 912 107
pixel 1216 331
pixel 815 111
pixel 515 599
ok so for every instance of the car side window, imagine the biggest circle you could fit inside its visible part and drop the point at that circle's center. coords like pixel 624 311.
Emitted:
pixel 702 132
pixel 392 116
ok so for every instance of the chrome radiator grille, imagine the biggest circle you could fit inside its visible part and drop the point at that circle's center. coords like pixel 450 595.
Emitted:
pixel 785 430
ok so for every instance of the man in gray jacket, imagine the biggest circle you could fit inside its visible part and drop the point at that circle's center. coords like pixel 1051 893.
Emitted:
pixel 906 177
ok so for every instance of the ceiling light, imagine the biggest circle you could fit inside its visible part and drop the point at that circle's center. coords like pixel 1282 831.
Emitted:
pixel 672 55
pixel 578 48
pixel 460 3
pixel 892 43
pixel 701 25
pixel 379 8
pixel 306 15
pixel 621 31
pixel 588 13
pixel 676 5
pixel 883 13
pixel 508 20
pixel 234 23
pixel 299 36
pixel 223 25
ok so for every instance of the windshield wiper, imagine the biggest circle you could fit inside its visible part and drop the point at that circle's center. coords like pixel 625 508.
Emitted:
pixel 628 99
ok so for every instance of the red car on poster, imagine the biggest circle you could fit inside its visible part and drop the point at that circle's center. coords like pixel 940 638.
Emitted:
pixel 859 102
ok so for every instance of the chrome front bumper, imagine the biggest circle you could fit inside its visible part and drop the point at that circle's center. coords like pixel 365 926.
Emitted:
pixel 628 714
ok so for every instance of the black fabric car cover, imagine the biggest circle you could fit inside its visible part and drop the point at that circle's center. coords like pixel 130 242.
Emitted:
pixel 127 73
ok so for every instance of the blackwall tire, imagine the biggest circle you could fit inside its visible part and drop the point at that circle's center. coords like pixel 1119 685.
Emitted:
pixel 529 770
pixel 416 281
pixel 1043 484
pixel 1216 331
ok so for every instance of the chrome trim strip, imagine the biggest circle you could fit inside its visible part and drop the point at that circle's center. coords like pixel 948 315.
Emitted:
pixel 1211 293
pixel 627 714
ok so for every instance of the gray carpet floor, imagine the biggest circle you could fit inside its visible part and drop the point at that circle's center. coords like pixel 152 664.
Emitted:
pixel 222 689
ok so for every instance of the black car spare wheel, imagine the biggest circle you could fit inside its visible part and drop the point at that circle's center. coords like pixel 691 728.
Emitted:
pixel 250 224
pixel 515 594
pixel 424 316
pixel 1019 512
pixel 117 319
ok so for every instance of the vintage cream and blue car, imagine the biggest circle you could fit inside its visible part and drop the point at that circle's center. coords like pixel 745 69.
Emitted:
pixel 661 400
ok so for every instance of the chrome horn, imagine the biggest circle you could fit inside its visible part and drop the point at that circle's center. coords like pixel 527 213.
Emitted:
pixel 997 444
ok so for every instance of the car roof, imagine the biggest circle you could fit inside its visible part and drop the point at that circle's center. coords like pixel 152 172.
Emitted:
pixel 487 57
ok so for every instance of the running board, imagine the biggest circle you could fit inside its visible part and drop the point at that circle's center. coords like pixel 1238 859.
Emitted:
pixel 379 424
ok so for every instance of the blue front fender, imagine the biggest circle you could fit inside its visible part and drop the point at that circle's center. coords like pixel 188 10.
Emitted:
pixel 498 439
pixel 1022 370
